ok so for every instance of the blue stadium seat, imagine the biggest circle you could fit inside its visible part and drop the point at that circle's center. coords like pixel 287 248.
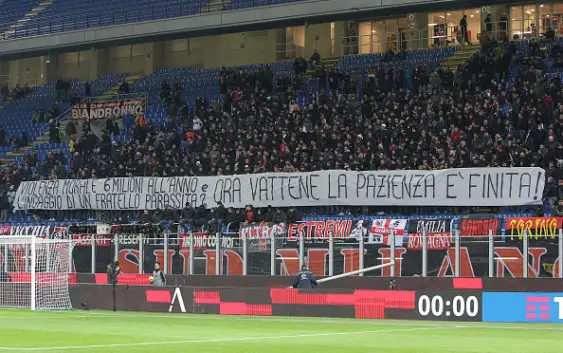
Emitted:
pixel 72 15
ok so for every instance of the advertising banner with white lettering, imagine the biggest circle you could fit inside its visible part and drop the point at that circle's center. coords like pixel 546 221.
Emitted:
pixel 448 187
pixel 49 232
pixel 260 234
pixel 85 235
pixel 86 240
pixel 112 109
pixel 261 230
pixel 438 235
pixel 205 241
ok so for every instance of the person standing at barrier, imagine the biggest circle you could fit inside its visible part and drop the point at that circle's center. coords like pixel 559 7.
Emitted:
pixel 113 271
pixel 159 278
pixel 305 279
pixel 463 28
pixel 489 26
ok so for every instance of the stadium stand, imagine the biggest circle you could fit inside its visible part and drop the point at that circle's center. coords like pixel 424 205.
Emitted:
pixel 42 101
pixel 62 16
pixel 12 11
pixel 368 112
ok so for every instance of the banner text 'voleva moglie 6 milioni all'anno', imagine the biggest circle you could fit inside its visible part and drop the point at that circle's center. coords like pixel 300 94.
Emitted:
pixel 447 187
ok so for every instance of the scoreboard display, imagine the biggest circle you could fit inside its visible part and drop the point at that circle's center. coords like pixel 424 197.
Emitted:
pixel 449 306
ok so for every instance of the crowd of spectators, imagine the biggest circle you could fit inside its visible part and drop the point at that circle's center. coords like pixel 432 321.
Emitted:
pixel 13 95
pixel 477 116
pixel 201 218
pixel 16 93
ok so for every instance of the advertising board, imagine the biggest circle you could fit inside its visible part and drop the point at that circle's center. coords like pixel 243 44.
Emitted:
pixel 448 306
pixel 347 301
pixel 522 307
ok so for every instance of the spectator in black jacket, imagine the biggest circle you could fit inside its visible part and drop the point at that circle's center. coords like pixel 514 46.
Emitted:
pixel 267 215
pixel 61 88
pixel 70 128
pixel 146 217
pixel 123 87
pixel 293 216
pixel 315 58
pixel 5 207
pixel 201 217
pixel 219 214
pixel 157 217
pixel 188 216
pixel 278 216
pixel 87 89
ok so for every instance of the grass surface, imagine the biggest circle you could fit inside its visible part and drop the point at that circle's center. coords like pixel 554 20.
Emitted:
pixel 97 331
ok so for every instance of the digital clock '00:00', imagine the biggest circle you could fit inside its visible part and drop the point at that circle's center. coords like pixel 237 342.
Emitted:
pixel 462 306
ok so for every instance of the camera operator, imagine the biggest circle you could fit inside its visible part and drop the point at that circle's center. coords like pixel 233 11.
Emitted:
pixel 113 271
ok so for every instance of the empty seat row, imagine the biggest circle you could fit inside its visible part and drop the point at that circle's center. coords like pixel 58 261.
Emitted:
pixel 69 15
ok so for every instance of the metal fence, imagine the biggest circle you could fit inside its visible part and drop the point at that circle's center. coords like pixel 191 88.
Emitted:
pixel 427 254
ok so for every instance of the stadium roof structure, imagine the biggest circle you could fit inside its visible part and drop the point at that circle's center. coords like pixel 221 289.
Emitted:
pixel 124 25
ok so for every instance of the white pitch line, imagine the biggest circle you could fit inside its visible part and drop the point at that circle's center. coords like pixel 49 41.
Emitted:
pixel 240 339
pixel 52 317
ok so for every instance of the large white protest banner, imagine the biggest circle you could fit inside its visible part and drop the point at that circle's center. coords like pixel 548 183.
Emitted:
pixel 448 187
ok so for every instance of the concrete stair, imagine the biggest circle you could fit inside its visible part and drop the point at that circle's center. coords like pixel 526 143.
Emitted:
pixel 214 6
pixel 11 156
pixel 460 57
pixel 28 16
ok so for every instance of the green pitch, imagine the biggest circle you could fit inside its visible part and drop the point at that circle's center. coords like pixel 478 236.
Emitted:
pixel 90 332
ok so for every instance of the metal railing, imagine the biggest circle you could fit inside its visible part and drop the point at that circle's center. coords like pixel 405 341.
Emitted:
pixel 288 51
pixel 414 39
pixel 519 255
pixel 103 98
pixel 498 31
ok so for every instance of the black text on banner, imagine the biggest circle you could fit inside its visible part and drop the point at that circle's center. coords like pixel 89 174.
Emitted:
pixel 448 187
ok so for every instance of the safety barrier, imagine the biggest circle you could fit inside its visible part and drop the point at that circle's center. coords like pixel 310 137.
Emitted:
pixel 451 300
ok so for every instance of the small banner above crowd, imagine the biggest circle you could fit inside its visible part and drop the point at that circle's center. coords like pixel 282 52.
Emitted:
pixel 438 234
pixel 40 231
pixel 478 226
pixel 536 228
pixel 110 109
pixel 340 231
pixel 448 187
